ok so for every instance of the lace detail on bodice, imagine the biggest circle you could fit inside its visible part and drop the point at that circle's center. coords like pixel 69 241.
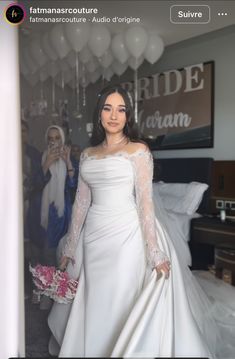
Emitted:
pixel 143 173
pixel 142 164
pixel 80 208
pixel 121 153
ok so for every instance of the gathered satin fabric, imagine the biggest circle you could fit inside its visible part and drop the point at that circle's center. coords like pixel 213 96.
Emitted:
pixel 122 307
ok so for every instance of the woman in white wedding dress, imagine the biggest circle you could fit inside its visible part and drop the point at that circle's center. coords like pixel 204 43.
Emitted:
pixel 135 298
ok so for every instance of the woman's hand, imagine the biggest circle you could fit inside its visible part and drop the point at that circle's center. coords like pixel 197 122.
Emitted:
pixel 164 267
pixel 64 262
pixel 65 155
pixel 53 154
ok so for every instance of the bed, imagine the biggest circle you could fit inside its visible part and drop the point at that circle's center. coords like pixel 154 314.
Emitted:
pixel 185 170
pixel 181 189
pixel 176 215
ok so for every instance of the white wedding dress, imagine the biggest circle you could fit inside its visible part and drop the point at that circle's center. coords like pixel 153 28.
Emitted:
pixel 122 308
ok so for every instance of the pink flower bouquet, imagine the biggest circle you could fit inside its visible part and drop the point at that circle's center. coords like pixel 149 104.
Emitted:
pixel 54 283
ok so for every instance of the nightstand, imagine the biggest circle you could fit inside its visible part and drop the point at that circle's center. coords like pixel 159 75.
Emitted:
pixel 208 233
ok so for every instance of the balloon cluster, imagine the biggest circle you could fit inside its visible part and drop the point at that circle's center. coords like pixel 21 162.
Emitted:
pixel 85 52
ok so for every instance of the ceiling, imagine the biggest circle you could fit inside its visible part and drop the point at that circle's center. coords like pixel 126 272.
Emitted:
pixel 154 16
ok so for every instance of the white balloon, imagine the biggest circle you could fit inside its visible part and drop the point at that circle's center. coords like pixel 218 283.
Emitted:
pixel 94 76
pixel 85 55
pixel 108 73
pixel 37 52
pixel 71 59
pixel 134 63
pixel 59 41
pixel 136 40
pixel 59 80
pixel 92 65
pixel 77 34
pixel 52 69
pixel 68 76
pixel 154 48
pixel 106 59
pixel 119 68
pixel 48 49
pixel 99 40
pixel 119 48
pixel 63 65
pixel 30 63
pixel 43 75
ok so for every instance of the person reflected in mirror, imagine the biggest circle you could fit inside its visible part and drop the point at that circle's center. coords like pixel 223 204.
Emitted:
pixel 56 203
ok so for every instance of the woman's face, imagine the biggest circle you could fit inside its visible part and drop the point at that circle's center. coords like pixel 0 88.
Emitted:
pixel 113 114
pixel 54 138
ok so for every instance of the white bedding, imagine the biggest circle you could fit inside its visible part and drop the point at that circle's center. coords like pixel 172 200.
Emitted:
pixel 182 198
pixel 220 294
pixel 177 224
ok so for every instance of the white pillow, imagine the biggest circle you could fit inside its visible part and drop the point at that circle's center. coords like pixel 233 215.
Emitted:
pixel 180 197
pixel 181 222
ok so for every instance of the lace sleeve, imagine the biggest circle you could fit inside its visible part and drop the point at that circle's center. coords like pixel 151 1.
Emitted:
pixel 79 212
pixel 143 167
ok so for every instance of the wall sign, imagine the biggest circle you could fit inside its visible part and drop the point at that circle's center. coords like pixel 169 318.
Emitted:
pixel 176 107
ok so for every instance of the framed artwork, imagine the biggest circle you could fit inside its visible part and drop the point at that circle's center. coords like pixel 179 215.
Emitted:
pixel 176 108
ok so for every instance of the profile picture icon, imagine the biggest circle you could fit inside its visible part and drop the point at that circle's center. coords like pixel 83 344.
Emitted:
pixel 15 14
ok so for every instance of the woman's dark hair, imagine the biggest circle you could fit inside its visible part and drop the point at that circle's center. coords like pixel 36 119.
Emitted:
pixel 130 129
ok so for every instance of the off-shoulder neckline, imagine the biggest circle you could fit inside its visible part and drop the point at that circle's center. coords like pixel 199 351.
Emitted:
pixel 121 153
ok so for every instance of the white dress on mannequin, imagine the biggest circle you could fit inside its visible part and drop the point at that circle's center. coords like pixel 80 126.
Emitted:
pixel 122 307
